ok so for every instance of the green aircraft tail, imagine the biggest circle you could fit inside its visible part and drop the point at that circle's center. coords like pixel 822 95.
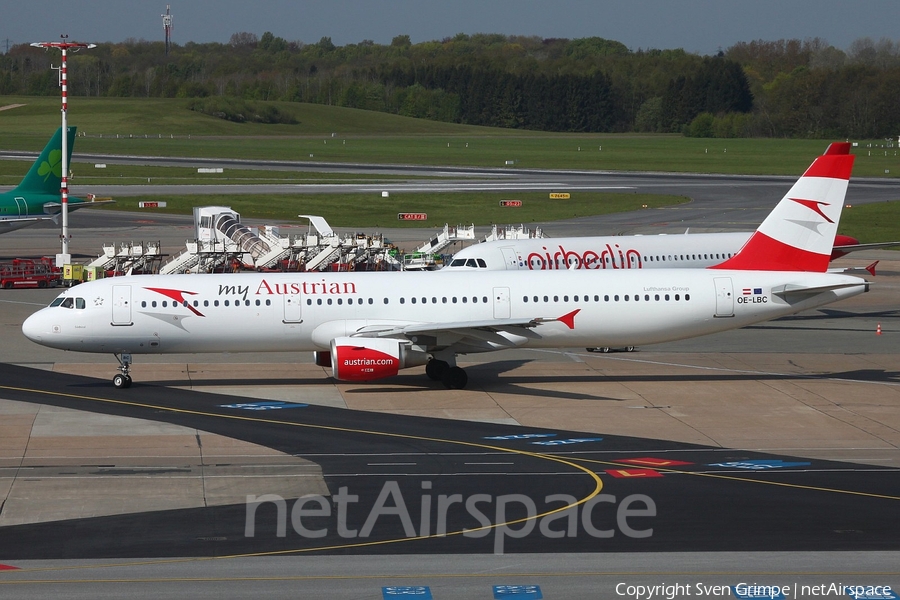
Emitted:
pixel 45 174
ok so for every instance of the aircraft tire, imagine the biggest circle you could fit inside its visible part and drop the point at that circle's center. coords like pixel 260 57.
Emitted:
pixel 455 378
pixel 121 381
pixel 435 369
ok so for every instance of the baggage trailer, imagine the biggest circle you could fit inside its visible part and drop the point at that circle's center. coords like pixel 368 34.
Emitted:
pixel 29 273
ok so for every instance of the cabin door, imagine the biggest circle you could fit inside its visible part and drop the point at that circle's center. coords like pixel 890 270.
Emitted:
pixel 292 303
pixel 724 297
pixel 121 308
pixel 509 258
pixel 501 303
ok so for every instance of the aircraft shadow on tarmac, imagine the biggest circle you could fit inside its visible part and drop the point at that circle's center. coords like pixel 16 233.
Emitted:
pixel 829 314
pixel 487 377
pixel 240 383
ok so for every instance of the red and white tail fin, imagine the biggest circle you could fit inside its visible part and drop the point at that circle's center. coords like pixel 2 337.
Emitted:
pixel 798 235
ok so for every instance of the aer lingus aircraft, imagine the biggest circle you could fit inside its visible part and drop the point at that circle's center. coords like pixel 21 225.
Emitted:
pixel 370 325
pixel 37 197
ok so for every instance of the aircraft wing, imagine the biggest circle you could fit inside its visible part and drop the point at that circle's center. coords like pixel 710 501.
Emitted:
pixel 470 333
pixel 432 328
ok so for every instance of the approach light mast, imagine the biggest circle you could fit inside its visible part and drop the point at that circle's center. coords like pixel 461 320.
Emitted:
pixel 64 257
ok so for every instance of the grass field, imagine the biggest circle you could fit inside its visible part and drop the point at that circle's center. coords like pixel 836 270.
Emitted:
pixel 12 171
pixel 165 127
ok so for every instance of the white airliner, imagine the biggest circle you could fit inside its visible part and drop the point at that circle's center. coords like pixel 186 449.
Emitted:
pixel 370 325
pixel 660 251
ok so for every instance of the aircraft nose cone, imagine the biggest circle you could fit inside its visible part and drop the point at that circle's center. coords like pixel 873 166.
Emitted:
pixel 32 328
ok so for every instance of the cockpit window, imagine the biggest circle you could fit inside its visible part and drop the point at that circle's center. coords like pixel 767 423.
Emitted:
pixel 69 302
pixel 472 263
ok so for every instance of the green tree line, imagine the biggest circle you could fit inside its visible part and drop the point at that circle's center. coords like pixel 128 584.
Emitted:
pixel 785 88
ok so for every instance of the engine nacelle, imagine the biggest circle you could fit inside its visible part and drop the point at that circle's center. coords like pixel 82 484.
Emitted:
pixel 364 359
pixel 323 359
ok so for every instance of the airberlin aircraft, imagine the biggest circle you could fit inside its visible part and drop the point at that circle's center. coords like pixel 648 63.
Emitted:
pixel 369 325
pixel 660 251
pixel 663 251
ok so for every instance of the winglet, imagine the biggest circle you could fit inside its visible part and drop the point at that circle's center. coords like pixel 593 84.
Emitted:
pixel 798 235
pixel 871 268
pixel 569 319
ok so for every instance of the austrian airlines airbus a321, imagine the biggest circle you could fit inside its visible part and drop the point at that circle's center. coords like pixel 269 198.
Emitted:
pixel 370 325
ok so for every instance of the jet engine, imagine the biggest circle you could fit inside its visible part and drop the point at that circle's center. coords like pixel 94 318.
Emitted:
pixel 363 359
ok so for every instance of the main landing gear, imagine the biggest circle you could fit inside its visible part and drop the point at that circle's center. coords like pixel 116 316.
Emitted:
pixel 123 379
pixel 453 377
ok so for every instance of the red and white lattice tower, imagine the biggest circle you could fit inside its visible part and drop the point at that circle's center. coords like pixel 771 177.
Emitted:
pixel 64 45
pixel 167 25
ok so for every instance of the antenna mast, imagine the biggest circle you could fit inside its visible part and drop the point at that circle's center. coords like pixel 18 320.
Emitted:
pixel 167 25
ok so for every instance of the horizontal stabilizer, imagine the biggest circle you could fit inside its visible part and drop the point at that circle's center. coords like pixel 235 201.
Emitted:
pixel 792 290
pixel 873 246
pixel 74 203
pixel 28 219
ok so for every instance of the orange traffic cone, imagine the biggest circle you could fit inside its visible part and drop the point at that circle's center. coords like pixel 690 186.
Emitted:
pixel 878 329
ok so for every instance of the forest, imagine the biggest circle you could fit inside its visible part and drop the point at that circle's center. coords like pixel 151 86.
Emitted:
pixel 784 88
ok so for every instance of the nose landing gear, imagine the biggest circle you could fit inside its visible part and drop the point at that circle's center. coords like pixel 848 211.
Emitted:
pixel 123 380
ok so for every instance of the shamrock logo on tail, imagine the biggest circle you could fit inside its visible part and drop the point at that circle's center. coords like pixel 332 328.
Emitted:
pixel 52 166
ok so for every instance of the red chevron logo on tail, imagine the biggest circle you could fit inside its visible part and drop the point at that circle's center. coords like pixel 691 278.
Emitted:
pixel 815 206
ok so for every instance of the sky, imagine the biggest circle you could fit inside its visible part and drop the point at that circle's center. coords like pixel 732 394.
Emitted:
pixel 698 26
